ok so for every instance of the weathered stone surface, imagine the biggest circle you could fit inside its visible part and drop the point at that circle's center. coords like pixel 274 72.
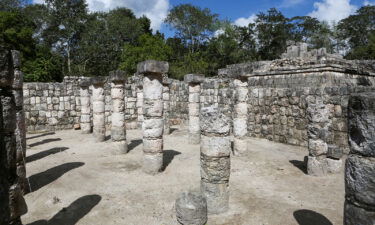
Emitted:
pixel 152 163
pixel 152 67
pixel 194 78
pixel 117 76
pixel 362 124
pixel 213 121
pixel 217 195
pixel 354 215
pixel 360 179
pixel 215 146
pixel 215 169
pixel 191 208
pixel 98 80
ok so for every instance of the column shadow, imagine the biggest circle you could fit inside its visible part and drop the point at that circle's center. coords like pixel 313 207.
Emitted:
pixel 134 143
pixel 45 141
pixel 73 213
pixel 309 217
pixel 40 135
pixel 43 154
pixel 168 156
pixel 40 180
pixel 300 165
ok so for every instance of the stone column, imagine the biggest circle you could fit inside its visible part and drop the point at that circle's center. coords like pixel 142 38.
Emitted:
pixel 240 116
pixel 215 159
pixel 98 108
pixel 319 162
pixel 139 104
pixel 85 121
pixel 194 81
pixel 12 203
pixel 118 129
pixel 166 103
pixel 153 122
pixel 360 165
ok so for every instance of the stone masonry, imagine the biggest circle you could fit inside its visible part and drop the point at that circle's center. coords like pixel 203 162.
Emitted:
pixel 85 101
pixel 166 105
pixel 215 159
pixel 360 165
pixel 194 81
pixel 118 129
pixel 12 140
pixel 153 122
pixel 98 106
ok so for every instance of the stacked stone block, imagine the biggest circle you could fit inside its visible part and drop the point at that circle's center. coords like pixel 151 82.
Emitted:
pixel 166 105
pixel 12 203
pixel 118 129
pixel 240 116
pixel 360 165
pixel 85 121
pixel 194 81
pixel 215 159
pixel 139 86
pixel 98 101
pixel 179 99
pixel 153 122
pixel 320 161
pixel 131 104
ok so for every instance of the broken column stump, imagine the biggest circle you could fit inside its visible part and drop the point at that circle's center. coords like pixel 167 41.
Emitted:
pixel 85 120
pixel 215 159
pixel 194 81
pixel 153 122
pixel 191 208
pixel 118 129
pixel 98 108
pixel 360 165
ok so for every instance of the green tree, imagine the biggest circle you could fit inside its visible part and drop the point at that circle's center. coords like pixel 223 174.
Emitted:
pixel 67 21
pixel 273 32
pixel 147 47
pixel 16 33
pixel 357 30
pixel 12 5
pixel 193 25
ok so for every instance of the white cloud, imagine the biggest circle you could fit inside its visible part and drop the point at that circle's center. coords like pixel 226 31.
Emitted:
pixel 155 10
pixel 368 3
pixel 332 10
pixel 243 22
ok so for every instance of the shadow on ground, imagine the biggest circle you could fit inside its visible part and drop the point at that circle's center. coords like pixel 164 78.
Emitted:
pixel 46 153
pixel 73 213
pixel 309 217
pixel 168 156
pixel 45 141
pixel 300 165
pixel 41 135
pixel 40 180
pixel 133 144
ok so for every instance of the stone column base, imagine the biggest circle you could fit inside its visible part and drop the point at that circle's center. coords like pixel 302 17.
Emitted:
pixel 217 196
pixel 152 163
pixel 239 146
pixel 322 167
pixel 194 139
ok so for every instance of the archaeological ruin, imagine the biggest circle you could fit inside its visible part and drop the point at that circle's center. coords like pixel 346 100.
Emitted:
pixel 317 102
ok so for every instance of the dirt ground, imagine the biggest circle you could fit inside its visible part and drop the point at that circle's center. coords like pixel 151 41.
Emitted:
pixel 77 181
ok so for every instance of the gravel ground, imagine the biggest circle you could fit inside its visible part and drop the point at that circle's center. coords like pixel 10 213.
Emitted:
pixel 77 181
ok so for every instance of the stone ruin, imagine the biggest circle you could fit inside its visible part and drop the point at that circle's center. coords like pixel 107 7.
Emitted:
pixel 301 99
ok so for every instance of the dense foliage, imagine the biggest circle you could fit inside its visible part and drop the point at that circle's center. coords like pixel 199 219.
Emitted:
pixel 62 38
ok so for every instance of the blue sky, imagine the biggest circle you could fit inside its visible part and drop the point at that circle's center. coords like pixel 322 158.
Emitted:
pixel 239 12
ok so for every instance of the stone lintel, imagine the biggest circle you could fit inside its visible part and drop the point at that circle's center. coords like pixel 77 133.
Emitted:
pixel 117 76
pixel 194 78
pixel 152 67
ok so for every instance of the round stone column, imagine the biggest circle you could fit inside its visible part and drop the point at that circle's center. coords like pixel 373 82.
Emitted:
pixel 118 129
pixel 194 81
pixel 84 90
pixel 240 116
pixel 98 108
pixel 153 122
pixel 166 105
pixel 360 166
pixel 215 159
